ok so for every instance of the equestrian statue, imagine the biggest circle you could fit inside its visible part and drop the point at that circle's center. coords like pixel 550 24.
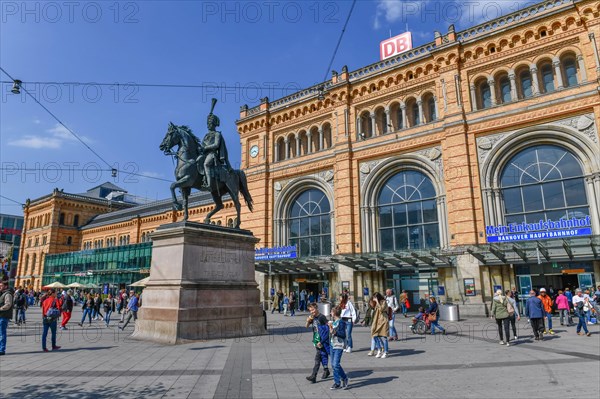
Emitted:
pixel 204 165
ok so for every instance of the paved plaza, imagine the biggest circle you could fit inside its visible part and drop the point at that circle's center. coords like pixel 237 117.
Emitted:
pixel 102 362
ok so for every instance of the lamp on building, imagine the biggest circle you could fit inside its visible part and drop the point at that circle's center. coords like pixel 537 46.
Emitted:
pixel 16 89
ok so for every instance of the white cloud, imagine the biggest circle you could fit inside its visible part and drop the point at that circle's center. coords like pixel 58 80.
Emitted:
pixel 54 138
pixel 37 121
pixel 439 14
pixel 36 142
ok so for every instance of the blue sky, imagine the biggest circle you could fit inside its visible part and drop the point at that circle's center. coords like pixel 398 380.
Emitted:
pixel 269 45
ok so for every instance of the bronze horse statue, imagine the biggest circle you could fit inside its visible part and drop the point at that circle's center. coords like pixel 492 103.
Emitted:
pixel 189 174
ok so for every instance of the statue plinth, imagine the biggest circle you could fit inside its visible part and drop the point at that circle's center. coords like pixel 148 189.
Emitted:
pixel 201 285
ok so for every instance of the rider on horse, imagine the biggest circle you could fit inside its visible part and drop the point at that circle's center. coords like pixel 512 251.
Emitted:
pixel 213 151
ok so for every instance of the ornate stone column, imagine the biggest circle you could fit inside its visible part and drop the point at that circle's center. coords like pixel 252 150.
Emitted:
pixel 473 97
pixel 513 85
pixel 403 110
pixel 359 131
pixel 276 151
pixel 444 95
pixel 373 125
pixel 558 73
pixel 321 137
pixel 421 113
pixel 298 145
pixel 387 121
pixel 595 48
pixel 535 84
pixel 492 85
pixel 309 138
pixel 287 148
pixel 582 71
pixel 435 109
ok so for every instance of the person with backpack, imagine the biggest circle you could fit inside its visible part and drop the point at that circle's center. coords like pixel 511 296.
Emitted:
pixel 110 305
pixel 534 309
pixel 50 315
pixel 6 306
pixel 20 301
pixel 337 334
pixel 513 312
pixel 501 314
pixel 393 307
pixel 349 316
pixel 66 309
pixel 547 302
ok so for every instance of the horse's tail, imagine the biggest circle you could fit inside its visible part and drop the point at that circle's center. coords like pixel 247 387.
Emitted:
pixel 244 189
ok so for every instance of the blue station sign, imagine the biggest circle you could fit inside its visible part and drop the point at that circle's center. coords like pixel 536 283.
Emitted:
pixel 289 252
pixel 542 230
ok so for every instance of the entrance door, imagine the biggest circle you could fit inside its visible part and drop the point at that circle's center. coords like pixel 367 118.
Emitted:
pixel 524 285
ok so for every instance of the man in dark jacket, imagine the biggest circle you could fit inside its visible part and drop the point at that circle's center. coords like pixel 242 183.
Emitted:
pixel 320 326
pixel 534 310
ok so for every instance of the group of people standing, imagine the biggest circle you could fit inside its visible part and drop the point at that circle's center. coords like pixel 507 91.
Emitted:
pixel 539 309
pixel 332 338
pixel 57 307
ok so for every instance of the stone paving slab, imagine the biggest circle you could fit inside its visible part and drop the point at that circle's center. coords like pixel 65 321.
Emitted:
pixel 100 362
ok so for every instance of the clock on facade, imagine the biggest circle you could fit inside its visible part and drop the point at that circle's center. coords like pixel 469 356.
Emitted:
pixel 254 151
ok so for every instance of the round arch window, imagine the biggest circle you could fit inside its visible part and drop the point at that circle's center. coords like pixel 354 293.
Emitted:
pixel 407 211
pixel 309 223
pixel 543 182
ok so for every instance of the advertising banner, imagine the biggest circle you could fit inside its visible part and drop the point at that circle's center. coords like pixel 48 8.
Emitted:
pixel 395 45
pixel 544 229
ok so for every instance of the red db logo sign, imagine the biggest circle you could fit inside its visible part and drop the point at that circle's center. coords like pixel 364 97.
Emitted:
pixel 395 45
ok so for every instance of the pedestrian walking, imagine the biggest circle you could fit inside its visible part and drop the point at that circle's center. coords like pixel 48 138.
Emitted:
pixel 320 327
pixel 110 305
pixel 280 301
pixel 275 300
pixel 380 327
pixel 87 308
pixel 293 303
pixel 50 315
pixel 534 310
pixel 20 305
pixel 500 312
pixel 286 304
pixel 303 295
pixel 66 308
pixel 578 306
pixel 587 307
pixel 98 306
pixel 562 304
pixel 392 303
pixel 349 316
pixel 433 316
pixel 6 311
pixel 404 303
pixel 548 302
pixel 132 309
pixel 337 332
pixel 514 314
pixel 515 295
pixel 569 296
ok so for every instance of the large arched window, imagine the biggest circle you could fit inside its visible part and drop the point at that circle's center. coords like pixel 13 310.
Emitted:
pixel 309 223
pixel 407 210
pixel 543 182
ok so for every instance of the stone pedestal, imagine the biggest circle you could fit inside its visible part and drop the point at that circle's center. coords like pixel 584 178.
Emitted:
pixel 201 285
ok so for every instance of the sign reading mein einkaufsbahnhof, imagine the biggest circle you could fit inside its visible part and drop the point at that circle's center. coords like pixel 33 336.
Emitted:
pixel 544 229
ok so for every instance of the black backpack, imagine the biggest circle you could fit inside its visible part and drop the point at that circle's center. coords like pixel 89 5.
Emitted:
pixel 20 300
pixel 67 304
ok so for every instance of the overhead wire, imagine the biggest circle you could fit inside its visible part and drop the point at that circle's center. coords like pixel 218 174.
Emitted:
pixel 11 200
pixel 337 46
pixel 165 85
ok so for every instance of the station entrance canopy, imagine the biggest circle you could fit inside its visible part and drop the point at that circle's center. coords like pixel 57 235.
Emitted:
pixel 527 252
